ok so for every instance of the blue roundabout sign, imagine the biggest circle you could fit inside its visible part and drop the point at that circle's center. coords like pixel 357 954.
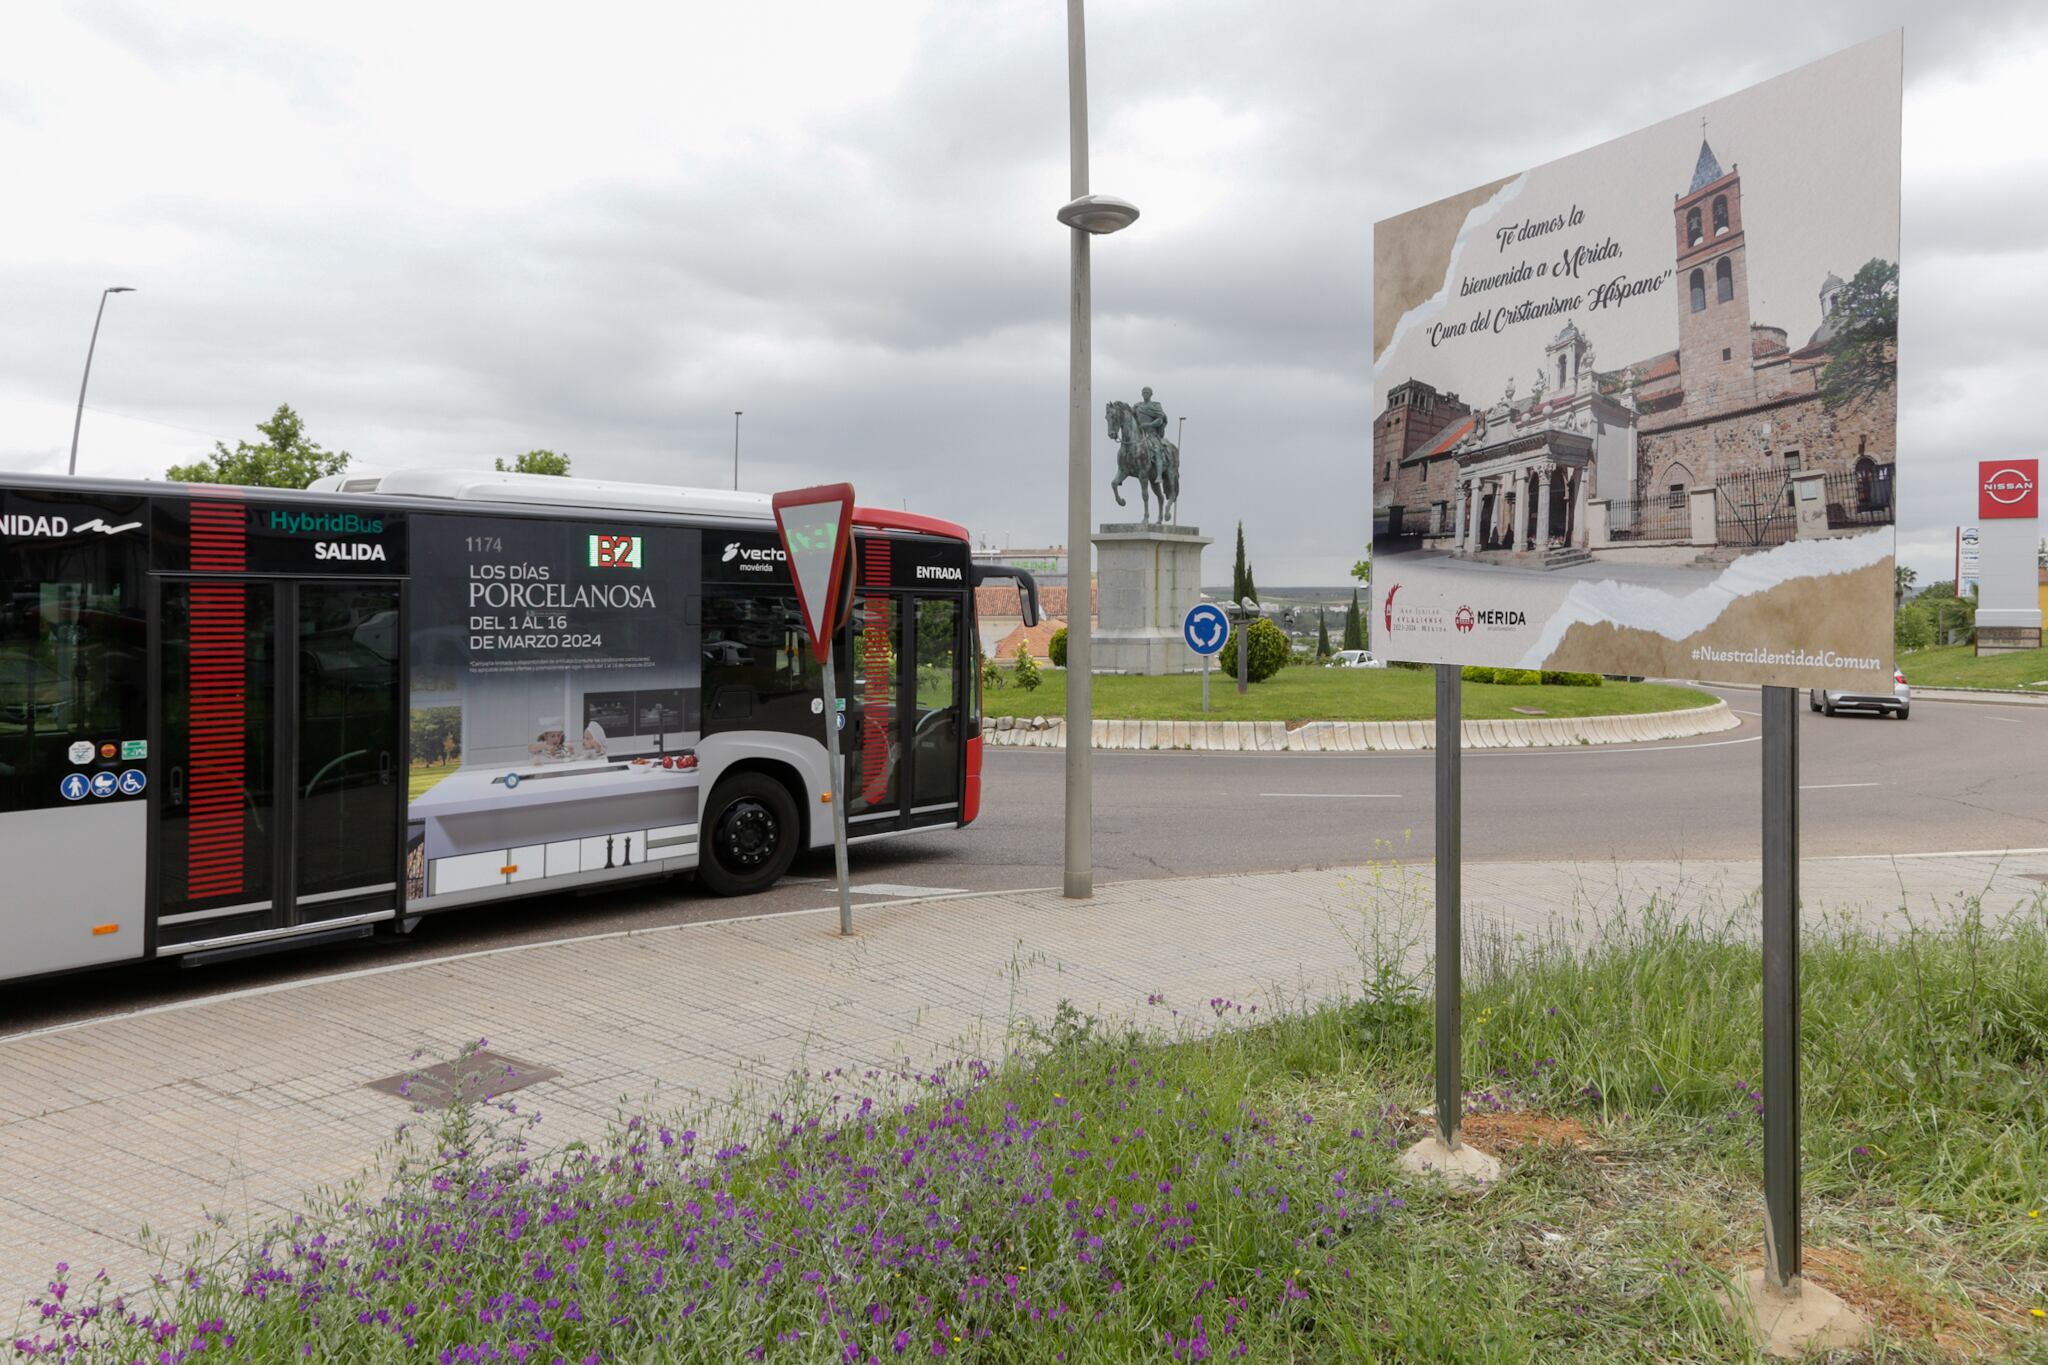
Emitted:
pixel 1205 628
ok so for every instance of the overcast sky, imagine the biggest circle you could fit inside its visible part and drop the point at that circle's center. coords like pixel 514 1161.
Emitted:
pixel 449 232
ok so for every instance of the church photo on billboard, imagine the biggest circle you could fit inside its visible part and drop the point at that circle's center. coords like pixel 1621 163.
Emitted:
pixel 1635 410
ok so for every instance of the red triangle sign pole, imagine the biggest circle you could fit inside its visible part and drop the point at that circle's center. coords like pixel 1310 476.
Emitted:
pixel 816 527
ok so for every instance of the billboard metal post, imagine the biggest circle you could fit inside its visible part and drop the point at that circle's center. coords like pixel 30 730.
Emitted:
pixel 1450 938
pixel 1444 1154
pixel 1784 1312
pixel 1781 984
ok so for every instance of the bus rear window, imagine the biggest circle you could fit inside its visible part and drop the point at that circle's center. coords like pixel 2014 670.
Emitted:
pixel 73 644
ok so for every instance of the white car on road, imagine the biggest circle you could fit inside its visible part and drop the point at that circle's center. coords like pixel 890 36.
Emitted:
pixel 1356 658
pixel 1897 702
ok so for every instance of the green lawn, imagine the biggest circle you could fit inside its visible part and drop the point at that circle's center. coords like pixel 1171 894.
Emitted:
pixel 1299 694
pixel 1105 1195
pixel 1959 666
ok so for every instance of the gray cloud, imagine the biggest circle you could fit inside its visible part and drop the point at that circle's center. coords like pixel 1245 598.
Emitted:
pixel 881 285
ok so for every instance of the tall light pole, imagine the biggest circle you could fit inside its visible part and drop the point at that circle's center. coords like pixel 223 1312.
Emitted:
pixel 77 421
pixel 1179 427
pixel 1086 214
pixel 736 450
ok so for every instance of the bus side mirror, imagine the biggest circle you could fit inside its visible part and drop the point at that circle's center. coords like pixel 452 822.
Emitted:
pixel 1027 587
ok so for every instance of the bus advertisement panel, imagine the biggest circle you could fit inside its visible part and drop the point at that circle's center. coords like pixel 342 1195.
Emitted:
pixel 555 699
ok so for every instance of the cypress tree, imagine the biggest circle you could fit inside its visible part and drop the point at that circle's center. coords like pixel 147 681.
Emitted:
pixel 1251 589
pixel 1237 572
pixel 1354 629
pixel 1322 634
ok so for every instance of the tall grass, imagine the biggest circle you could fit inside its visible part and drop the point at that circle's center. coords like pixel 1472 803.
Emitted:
pixel 1924 1057
pixel 1112 1194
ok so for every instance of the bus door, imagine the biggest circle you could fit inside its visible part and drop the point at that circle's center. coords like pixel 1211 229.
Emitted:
pixel 281 734
pixel 871 742
pixel 936 682
pixel 906 662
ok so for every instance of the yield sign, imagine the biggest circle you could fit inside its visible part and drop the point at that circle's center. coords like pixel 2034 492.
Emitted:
pixel 816 528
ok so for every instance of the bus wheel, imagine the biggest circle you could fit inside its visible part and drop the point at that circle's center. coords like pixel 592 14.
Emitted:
pixel 751 838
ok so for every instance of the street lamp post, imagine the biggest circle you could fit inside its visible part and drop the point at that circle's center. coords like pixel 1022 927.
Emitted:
pixel 92 345
pixel 1247 611
pixel 1086 214
pixel 736 450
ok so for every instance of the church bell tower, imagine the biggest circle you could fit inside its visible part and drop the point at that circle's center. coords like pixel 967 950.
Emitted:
pixel 1713 290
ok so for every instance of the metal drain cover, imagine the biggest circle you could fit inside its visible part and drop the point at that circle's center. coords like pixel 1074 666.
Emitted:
pixel 479 1076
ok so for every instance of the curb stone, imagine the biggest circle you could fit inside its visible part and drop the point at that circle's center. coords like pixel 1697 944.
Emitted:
pixel 1361 736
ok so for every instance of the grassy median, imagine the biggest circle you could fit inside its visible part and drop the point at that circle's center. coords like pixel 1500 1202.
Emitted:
pixel 1175 1193
pixel 1305 694
pixel 1959 666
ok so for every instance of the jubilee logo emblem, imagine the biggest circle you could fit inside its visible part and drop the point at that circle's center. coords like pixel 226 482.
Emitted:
pixel 1465 620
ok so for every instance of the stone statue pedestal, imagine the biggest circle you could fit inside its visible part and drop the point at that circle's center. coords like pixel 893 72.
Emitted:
pixel 1146 579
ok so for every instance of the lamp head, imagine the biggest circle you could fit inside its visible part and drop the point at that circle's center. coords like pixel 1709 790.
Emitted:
pixel 1099 214
pixel 121 289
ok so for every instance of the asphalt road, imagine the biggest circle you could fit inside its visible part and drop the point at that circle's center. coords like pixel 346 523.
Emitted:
pixel 1956 776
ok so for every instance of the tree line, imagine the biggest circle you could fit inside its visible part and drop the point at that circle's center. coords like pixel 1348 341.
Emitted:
pixel 287 457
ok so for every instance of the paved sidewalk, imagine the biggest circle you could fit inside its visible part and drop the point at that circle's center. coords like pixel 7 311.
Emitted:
pixel 238 1104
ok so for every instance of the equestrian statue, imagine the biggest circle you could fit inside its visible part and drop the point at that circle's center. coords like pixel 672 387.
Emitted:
pixel 1143 453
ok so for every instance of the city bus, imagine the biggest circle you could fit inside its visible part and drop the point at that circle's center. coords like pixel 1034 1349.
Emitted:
pixel 237 719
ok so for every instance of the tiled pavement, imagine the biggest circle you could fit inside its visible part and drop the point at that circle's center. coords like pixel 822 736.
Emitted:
pixel 237 1105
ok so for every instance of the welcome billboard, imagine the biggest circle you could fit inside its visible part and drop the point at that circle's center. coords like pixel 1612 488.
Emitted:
pixel 1635 410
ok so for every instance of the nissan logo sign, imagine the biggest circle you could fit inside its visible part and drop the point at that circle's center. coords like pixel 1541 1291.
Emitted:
pixel 2008 486
pixel 2008 489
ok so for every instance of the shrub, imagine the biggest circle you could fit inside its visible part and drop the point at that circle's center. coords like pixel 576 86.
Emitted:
pixel 1955 620
pixel 1408 664
pixel 1057 649
pixel 991 675
pixel 1477 675
pixel 1268 654
pixel 1026 671
pixel 1554 679
pixel 1517 677
pixel 1912 628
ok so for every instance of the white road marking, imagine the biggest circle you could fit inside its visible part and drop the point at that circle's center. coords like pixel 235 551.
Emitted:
pixel 897 889
pixel 1425 754
pixel 1596 750
pixel 2006 720
pixel 1740 712
pixel 1836 786
pixel 1339 796
pixel 1952 853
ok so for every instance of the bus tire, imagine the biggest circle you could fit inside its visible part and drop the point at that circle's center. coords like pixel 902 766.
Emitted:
pixel 749 835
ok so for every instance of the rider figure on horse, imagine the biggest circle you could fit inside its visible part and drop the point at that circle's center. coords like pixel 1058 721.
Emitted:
pixel 1151 419
pixel 1151 426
